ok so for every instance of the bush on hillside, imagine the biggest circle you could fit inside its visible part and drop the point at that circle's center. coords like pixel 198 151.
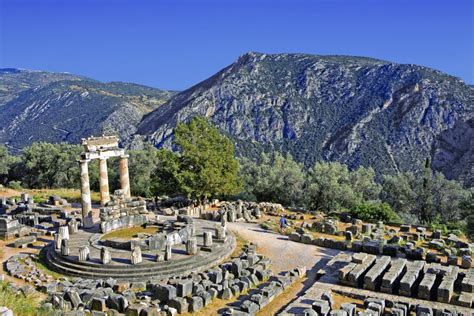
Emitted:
pixel 373 212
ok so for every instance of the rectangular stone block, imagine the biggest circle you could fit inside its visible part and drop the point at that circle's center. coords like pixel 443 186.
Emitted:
pixel 411 275
pixel 354 277
pixel 373 278
pixel 391 278
pixel 446 288
pixel 425 289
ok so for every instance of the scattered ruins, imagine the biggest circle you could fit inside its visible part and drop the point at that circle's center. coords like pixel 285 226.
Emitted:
pixel 129 256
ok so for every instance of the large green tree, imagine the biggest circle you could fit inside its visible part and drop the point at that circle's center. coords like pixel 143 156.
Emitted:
pixel 141 168
pixel 205 165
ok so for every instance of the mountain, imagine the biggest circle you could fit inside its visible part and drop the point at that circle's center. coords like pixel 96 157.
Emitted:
pixel 358 111
pixel 54 107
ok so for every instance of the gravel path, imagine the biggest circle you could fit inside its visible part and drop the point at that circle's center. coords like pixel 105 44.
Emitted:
pixel 285 254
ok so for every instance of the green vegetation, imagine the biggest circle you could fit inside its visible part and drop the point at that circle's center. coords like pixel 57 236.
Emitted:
pixel 203 167
pixel 20 304
pixel 373 212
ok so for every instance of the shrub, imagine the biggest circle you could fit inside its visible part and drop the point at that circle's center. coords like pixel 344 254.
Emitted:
pixel 373 212
pixel 15 185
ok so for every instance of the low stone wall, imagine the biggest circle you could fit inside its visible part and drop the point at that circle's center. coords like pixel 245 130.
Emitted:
pixel 122 212
pixel 122 222
pixel 380 247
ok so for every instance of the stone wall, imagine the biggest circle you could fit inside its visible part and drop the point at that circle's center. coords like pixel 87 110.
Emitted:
pixel 122 212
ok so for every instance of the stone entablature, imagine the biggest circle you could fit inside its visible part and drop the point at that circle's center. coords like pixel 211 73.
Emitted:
pixel 9 228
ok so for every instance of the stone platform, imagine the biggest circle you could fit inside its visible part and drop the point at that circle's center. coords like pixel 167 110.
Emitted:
pixel 121 267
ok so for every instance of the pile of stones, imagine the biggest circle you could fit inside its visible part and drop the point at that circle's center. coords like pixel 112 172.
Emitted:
pixel 175 295
pixel 122 212
pixel 265 293
pixel 234 211
pixel 324 306
pixel 409 278
pixel 375 239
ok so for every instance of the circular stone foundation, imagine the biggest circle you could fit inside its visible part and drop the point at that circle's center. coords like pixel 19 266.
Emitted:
pixel 121 267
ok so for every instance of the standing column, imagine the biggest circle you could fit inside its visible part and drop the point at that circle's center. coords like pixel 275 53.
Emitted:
pixel 124 180
pixel 85 189
pixel 104 182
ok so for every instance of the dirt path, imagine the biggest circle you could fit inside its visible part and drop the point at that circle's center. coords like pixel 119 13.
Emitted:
pixel 285 254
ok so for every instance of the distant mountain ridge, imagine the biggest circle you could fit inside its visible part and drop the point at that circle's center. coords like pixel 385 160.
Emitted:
pixel 356 110
pixel 53 107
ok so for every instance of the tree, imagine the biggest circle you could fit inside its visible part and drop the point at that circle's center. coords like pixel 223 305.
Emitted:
pixel 46 165
pixel 280 179
pixel 142 165
pixel 363 183
pixel 429 197
pixel 7 162
pixel 207 163
pixel 329 188
pixel 164 179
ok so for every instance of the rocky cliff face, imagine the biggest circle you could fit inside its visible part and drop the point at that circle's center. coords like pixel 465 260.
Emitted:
pixel 358 111
pixel 41 106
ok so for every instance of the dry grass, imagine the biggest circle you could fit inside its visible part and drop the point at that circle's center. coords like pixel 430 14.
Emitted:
pixel 283 299
pixel 131 232
pixel 341 299
pixel 240 243
pixel 20 304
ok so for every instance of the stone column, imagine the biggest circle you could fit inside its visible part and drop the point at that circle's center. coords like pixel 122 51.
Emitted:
pixel 85 189
pixel 124 179
pixel 104 182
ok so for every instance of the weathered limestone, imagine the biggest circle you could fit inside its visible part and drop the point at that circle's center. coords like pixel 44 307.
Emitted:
pixel 425 289
pixel 366 228
pixel 136 255
pixel 73 226
pixel 85 189
pixel 168 252
pixel 446 288
pixel 207 239
pixel 65 247
pixel 392 276
pixel 103 182
pixel 191 246
pixel 354 276
pixel 408 280
pixel 64 232
pixel 57 241
pixel 124 177
pixel 373 278
pixel 105 257
pixel 220 232
pixel 84 253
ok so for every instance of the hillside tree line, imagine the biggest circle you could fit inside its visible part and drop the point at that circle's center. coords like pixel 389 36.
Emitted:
pixel 204 167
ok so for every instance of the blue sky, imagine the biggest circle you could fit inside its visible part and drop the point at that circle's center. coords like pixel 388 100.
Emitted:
pixel 175 44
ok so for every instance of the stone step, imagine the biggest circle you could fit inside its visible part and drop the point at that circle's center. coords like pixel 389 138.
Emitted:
pixel 162 265
pixel 138 272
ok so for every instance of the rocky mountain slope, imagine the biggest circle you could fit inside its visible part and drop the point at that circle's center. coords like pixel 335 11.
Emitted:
pixel 54 107
pixel 358 111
